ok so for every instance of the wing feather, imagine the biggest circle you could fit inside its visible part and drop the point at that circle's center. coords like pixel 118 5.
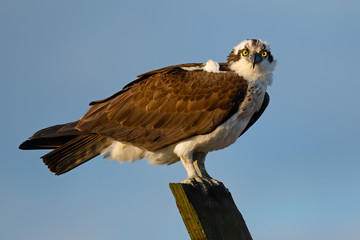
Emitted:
pixel 166 106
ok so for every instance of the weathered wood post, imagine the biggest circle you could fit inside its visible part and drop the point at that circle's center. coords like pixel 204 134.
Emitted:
pixel 211 214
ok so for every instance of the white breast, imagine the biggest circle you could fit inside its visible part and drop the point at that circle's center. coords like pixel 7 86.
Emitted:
pixel 223 136
pixel 227 133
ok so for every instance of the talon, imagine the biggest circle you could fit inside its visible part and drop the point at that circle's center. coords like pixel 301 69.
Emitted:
pixel 193 180
pixel 216 182
pixel 198 182
pixel 212 181
pixel 208 180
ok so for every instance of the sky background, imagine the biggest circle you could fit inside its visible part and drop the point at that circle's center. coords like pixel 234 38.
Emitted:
pixel 294 175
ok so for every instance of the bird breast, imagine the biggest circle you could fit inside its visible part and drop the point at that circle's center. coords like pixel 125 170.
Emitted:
pixel 226 133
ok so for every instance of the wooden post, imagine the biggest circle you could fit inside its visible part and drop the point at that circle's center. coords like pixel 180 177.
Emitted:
pixel 211 214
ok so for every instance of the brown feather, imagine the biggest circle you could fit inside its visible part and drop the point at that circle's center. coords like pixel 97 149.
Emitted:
pixel 74 153
pixel 257 115
pixel 158 109
pixel 166 106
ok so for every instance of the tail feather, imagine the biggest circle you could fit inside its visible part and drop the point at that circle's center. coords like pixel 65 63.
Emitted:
pixel 51 137
pixel 45 143
pixel 75 152
pixel 71 147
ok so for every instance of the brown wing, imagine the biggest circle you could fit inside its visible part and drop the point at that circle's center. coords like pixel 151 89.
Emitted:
pixel 166 106
pixel 146 75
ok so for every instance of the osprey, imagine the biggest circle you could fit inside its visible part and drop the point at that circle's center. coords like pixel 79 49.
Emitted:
pixel 176 113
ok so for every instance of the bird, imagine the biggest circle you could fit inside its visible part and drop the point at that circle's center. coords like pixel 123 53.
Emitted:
pixel 176 113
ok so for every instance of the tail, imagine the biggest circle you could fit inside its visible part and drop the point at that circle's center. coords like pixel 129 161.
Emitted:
pixel 71 147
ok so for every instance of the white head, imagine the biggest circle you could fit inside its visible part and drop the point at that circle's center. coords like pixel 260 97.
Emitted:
pixel 252 59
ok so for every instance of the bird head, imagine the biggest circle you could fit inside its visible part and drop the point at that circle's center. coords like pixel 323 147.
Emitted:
pixel 252 58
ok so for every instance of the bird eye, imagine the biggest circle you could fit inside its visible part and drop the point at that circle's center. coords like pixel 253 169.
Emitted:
pixel 264 54
pixel 245 52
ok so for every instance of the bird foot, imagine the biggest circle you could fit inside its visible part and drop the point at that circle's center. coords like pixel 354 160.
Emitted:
pixel 193 180
pixel 204 183
pixel 213 182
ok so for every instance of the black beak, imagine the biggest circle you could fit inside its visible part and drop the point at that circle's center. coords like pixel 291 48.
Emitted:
pixel 256 59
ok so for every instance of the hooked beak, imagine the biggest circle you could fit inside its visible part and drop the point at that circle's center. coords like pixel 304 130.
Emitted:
pixel 255 59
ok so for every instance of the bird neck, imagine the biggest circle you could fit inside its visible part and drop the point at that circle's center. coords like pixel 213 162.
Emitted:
pixel 255 74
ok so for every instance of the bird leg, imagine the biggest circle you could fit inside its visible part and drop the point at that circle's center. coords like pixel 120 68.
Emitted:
pixel 199 164
pixel 193 177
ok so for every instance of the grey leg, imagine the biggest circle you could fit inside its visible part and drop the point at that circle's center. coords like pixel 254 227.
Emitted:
pixel 199 163
pixel 193 176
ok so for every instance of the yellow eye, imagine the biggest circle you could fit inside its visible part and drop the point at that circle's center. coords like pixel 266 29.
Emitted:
pixel 245 52
pixel 264 54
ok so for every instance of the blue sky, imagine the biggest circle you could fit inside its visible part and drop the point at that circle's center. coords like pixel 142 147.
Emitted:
pixel 293 175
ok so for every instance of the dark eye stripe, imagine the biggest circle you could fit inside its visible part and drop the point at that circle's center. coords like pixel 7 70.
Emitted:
pixel 270 57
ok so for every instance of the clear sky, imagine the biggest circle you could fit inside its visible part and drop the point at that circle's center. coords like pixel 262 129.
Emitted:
pixel 293 175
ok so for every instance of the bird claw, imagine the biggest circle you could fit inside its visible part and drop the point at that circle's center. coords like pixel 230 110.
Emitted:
pixel 213 182
pixel 202 183
pixel 193 181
